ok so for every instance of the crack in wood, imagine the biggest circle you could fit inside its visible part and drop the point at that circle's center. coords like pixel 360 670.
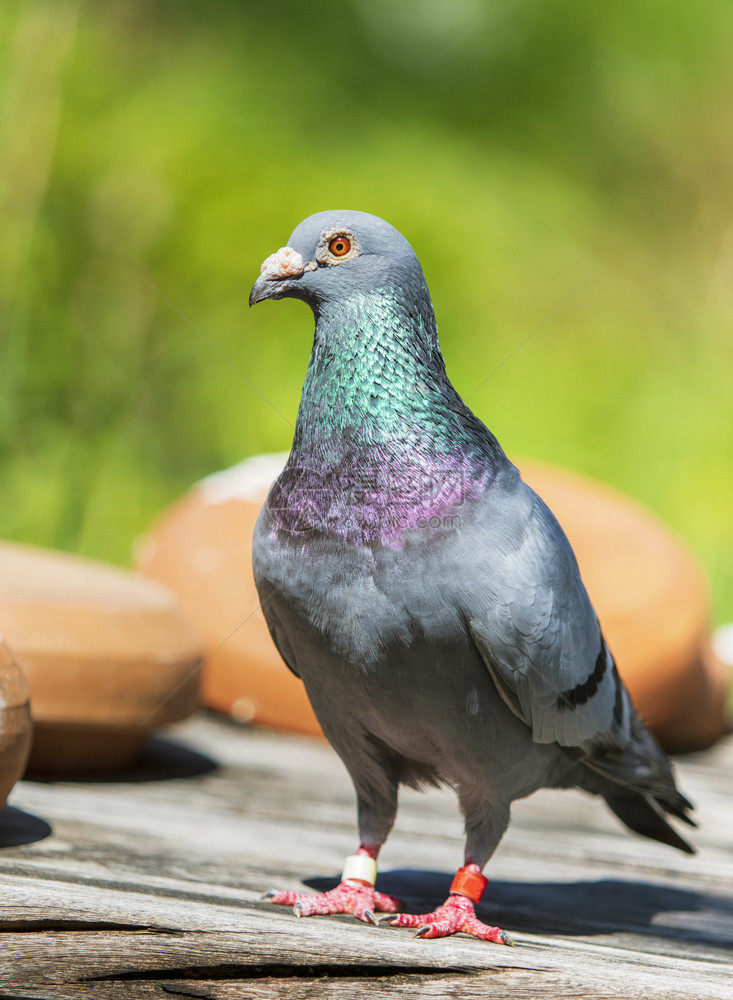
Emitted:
pixel 203 993
pixel 23 996
pixel 51 924
pixel 273 970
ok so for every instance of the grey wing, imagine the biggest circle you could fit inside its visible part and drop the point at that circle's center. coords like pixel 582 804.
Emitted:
pixel 539 635
pixel 537 632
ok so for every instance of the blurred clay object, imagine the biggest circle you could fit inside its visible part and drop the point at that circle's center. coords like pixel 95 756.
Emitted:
pixel 15 723
pixel 107 654
pixel 649 591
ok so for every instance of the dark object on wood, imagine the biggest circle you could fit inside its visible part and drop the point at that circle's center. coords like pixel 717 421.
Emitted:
pixel 107 654
pixel 15 723
pixel 153 889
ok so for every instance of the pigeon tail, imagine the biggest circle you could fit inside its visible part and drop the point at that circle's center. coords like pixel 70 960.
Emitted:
pixel 645 814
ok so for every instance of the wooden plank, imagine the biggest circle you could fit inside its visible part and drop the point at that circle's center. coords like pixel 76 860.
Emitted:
pixel 217 961
pixel 264 935
pixel 157 877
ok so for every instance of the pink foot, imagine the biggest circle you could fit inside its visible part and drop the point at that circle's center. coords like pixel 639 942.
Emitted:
pixel 455 916
pixel 351 896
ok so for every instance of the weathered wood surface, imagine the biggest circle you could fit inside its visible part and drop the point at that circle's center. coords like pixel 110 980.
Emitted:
pixel 149 886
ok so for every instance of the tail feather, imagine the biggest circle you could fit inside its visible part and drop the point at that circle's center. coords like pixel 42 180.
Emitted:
pixel 638 784
pixel 678 806
pixel 644 815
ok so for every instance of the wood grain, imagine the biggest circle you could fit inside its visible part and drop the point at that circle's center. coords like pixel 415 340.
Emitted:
pixel 149 886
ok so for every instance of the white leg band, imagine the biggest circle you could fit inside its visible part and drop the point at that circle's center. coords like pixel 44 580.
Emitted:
pixel 360 866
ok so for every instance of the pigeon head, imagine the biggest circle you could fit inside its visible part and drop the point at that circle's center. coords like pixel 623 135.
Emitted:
pixel 333 256
pixel 378 416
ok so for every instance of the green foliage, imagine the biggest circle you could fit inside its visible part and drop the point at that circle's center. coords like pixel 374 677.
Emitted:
pixel 153 153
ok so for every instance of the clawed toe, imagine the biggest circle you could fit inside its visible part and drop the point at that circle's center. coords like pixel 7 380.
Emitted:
pixel 353 895
pixel 455 916
pixel 350 896
pixel 281 896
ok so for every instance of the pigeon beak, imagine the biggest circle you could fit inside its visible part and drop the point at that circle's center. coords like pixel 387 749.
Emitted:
pixel 285 263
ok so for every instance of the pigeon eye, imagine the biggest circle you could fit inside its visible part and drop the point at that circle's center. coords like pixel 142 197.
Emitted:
pixel 339 246
pixel 336 246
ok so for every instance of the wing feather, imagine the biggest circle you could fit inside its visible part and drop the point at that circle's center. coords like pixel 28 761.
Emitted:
pixel 540 638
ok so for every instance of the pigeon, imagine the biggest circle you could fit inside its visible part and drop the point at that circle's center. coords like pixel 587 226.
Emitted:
pixel 425 595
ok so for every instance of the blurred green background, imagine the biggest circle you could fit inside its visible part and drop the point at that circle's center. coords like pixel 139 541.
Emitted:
pixel 153 153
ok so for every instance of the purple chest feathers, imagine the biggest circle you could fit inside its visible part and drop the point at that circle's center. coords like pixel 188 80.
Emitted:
pixel 378 498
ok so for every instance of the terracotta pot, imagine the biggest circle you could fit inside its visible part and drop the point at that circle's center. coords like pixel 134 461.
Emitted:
pixel 649 592
pixel 107 654
pixel 15 723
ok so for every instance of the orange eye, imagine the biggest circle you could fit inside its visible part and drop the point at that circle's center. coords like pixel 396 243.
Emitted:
pixel 339 246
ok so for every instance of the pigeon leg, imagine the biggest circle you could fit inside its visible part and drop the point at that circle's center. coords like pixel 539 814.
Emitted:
pixel 456 915
pixel 377 806
pixel 354 894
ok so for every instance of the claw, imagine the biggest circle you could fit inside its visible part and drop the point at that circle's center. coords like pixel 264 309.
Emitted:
pixel 270 894
pixel 455 916
pixel 350 896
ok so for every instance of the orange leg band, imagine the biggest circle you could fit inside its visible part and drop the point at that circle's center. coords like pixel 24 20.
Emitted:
pixel 469 882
